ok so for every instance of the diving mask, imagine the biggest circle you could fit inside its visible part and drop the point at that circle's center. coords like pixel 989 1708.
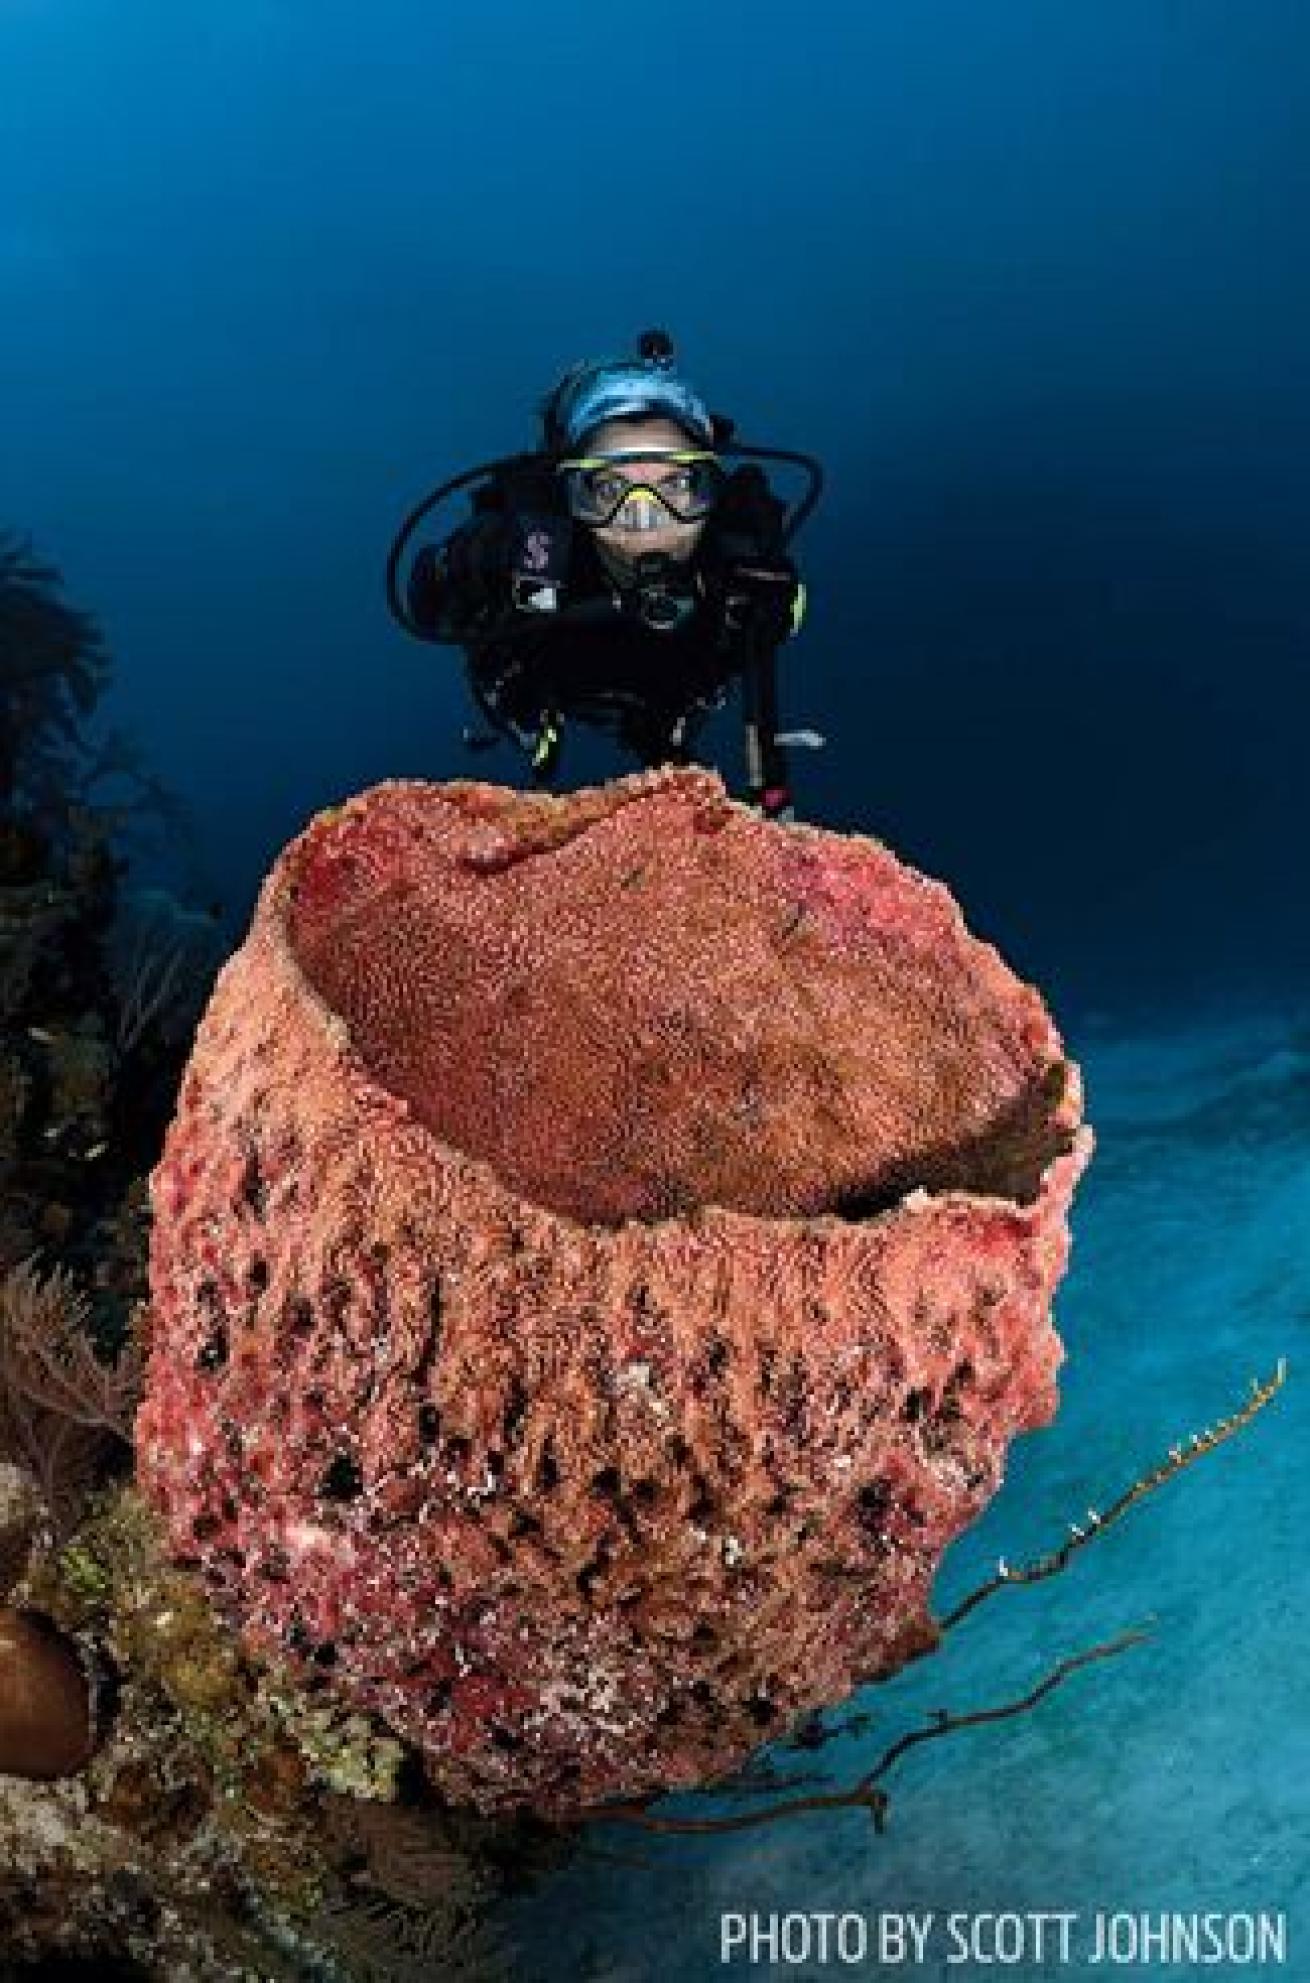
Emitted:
pixel 611 490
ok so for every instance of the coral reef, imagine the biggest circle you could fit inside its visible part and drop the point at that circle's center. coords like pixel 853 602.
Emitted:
pixel 601 1256
pixel 201 1839
pixel 95 1002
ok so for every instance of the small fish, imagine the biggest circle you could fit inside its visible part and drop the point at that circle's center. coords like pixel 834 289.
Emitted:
pixel 42 1035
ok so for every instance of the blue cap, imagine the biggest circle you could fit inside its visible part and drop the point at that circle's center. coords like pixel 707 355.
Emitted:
pixel 610 389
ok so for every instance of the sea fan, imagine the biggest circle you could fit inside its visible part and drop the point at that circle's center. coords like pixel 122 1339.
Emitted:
pixel 410 1853
pixel 386 1942
pixel 63 1409
pixel 420 1905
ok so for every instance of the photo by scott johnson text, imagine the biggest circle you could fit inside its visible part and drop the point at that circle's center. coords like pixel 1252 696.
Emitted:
pixel 1061 1935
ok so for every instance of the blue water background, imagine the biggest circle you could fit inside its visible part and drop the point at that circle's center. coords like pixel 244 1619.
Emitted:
pixel 1031 280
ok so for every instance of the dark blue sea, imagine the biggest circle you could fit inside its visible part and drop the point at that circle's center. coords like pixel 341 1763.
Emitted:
pixel 1031 282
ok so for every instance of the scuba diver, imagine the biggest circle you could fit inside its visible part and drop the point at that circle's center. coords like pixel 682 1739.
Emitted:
pixel 621 576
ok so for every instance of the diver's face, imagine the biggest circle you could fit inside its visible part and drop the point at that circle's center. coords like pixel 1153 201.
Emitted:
pixel 665 534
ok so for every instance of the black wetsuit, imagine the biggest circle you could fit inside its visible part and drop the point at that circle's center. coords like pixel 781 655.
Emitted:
pixel 650 684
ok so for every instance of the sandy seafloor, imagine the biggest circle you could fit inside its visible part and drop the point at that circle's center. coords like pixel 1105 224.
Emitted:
pixel 1175 1777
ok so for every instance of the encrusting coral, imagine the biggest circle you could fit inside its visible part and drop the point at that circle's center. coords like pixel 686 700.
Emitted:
pixel 601 1256
pixel 227 1825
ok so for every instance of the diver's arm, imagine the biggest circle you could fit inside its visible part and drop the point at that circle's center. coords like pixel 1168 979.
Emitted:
pixel 457 586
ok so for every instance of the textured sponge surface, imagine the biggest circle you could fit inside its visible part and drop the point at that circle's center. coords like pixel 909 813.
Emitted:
pixel 665 1004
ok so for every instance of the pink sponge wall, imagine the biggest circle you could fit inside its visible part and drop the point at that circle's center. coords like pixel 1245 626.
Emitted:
pixel 602 1253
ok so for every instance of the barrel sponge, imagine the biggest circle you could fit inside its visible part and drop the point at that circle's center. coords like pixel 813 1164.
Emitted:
pixel 602 1252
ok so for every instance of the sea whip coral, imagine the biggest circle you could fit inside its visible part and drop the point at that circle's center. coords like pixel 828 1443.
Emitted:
pixel 602 1252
